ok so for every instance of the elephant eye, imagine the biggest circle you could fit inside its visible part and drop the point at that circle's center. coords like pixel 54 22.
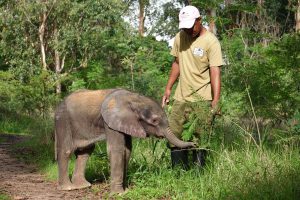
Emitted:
pixel 155 121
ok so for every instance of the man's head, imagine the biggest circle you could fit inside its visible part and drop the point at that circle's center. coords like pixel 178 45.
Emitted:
pixel 190 20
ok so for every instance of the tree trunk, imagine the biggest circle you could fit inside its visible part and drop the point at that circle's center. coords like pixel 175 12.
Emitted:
pixel 58 63
pixel 43 19
pixel 141 17
pixel 262 21
pixel 57 71
pixel 212 26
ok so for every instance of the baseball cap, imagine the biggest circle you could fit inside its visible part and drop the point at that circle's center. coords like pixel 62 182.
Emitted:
pixel 187 16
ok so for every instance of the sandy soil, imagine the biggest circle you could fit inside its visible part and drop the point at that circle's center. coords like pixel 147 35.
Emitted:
pixel 21 181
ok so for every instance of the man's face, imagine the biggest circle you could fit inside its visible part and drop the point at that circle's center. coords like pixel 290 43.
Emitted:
pixel 195 30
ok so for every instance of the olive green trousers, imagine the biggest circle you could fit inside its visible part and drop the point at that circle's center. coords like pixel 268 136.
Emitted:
pixel 181 113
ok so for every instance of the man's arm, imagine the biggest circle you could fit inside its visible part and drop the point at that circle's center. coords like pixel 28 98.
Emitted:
pixel 174 74
pixel 215 78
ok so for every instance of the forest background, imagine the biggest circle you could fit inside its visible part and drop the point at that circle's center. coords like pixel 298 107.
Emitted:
pixel 50 48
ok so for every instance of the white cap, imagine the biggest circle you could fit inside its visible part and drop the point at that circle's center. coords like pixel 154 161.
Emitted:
pixel 187 16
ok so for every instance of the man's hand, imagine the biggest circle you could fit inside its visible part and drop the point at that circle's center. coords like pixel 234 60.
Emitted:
pixel 215 108
pixel 166 98
pixel 214 104
pixel 174 74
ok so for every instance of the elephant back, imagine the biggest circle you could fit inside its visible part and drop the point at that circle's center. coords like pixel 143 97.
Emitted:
pixel 86 102
pixel 83 110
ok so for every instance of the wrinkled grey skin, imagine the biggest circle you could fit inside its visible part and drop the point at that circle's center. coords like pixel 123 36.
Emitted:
pixel 86 117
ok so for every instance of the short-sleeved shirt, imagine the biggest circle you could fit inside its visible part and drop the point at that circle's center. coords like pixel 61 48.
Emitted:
pixel 195 56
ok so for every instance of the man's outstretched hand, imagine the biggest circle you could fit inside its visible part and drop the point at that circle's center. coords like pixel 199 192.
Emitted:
pixel 166 98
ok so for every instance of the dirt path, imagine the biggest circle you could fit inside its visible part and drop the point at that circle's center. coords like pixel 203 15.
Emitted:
pixel 22 182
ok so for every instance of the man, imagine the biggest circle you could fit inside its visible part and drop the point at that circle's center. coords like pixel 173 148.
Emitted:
pixel 197 64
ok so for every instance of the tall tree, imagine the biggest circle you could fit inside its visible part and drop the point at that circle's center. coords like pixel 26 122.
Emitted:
pixel 44 44
pixel 142 6
pixel 55 36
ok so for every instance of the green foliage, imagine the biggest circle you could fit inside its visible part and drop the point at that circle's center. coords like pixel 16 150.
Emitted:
pixel 140 59
pixel 148 59
pixel 36 96
pixel 165 23
pixel 294 123
pixel 14 123
pixel 4 197
pixel 268 72
pixel 206 4
pixel 82 29
pixel 198 128
pixel 76 33
pixel 97 166
pixel 97 75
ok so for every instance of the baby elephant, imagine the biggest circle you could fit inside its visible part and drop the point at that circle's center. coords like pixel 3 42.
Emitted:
pixel 86 117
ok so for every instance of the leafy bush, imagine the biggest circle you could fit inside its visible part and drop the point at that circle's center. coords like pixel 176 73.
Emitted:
pixel 266 77
pixel 35 96
pixel 142 60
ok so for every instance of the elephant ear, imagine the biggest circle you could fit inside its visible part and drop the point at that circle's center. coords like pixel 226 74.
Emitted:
pixel 118 114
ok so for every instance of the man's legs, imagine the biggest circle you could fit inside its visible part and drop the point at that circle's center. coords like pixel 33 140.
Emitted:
pixel 176 120
pixel 178 117
pixel 203 131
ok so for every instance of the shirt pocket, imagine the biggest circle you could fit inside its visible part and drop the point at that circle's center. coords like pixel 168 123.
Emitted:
pixel 200 54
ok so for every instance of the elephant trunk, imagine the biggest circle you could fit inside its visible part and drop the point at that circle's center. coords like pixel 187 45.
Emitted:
pixel 177 142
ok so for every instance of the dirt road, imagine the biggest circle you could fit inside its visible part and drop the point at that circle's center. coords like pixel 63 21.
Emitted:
pixel 22 182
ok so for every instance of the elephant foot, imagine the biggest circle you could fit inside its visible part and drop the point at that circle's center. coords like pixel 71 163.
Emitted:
pixel 117 189
pixel 125 191
pixel 81 184
pixel 65 187
pixel 114 195
pixel 75 186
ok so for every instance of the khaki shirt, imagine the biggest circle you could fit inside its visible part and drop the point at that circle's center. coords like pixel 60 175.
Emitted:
pixel 195 56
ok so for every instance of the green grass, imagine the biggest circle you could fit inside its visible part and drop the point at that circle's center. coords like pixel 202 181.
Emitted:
pixel 230 174
pixel 15 123
pixel 11 126
pixel 4 197
pixel 235 170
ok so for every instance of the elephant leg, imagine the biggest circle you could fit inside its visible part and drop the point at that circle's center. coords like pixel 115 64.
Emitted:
pixel 64 182
pixel 117 156
pixel 63 148
pixel 128 148
pixel 78 178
